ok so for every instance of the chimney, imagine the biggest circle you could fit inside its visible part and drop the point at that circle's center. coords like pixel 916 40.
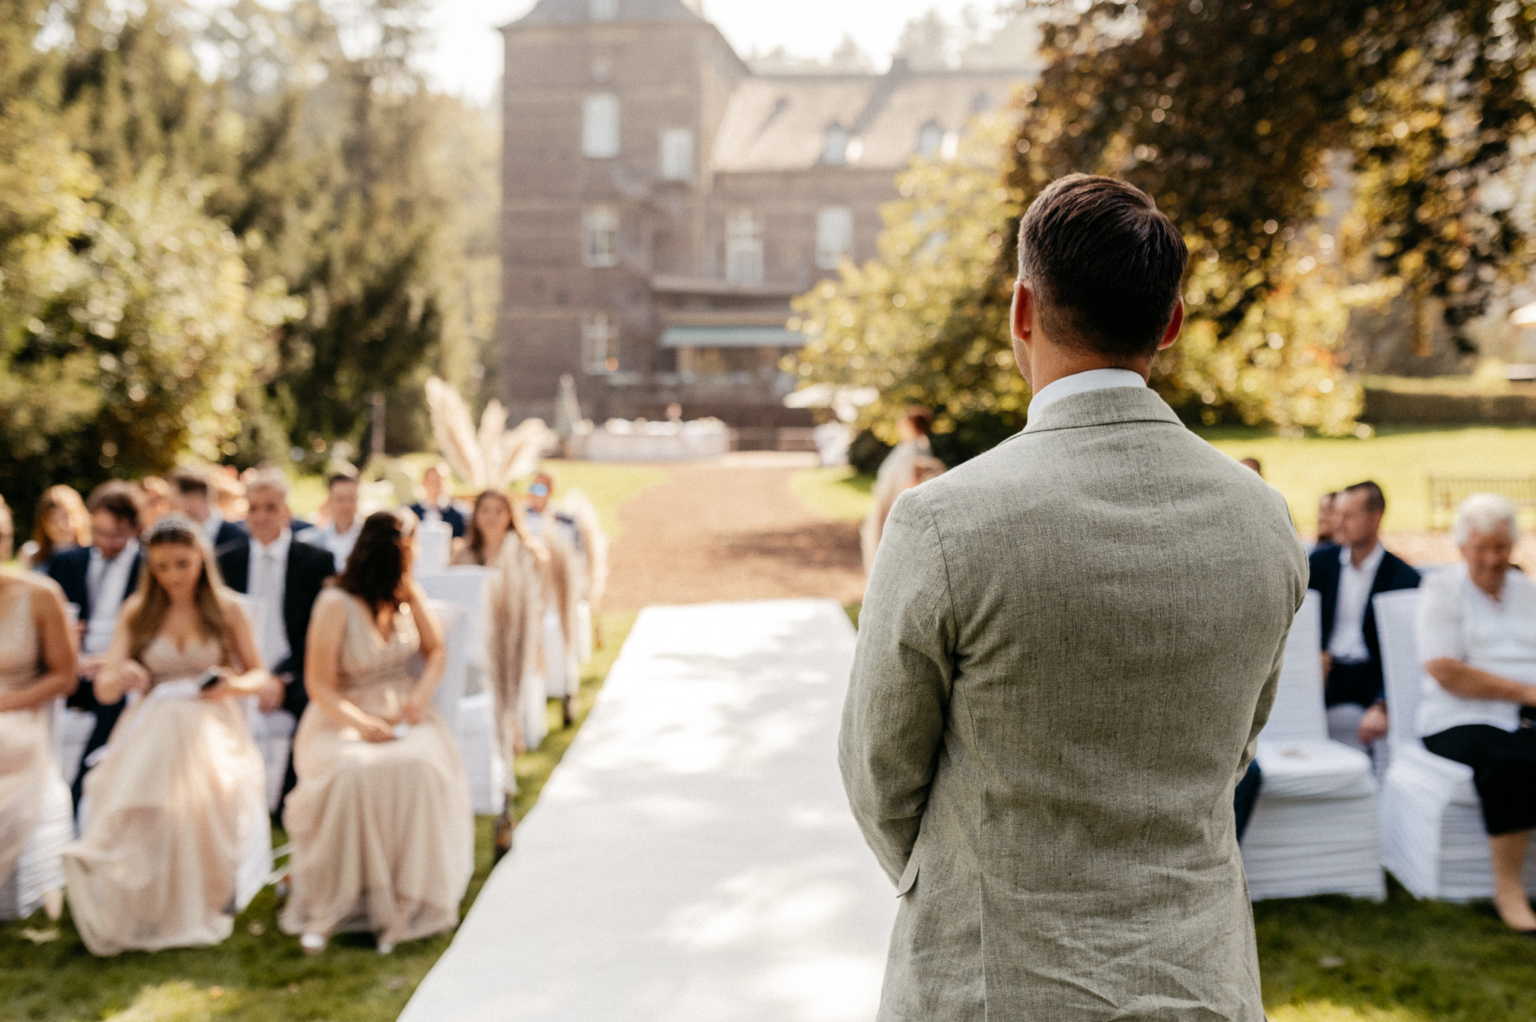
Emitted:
pixel 900 66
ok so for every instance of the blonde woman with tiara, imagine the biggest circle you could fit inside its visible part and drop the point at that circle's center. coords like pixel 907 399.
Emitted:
pixel 176 806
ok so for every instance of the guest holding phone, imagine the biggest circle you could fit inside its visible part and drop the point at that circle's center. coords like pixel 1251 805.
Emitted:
pixel 381 822
pixel 177 802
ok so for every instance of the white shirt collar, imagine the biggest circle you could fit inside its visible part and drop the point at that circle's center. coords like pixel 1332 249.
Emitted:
pixel 1082 383
pixel 1371 562
pixel 278 547
pixel 126 555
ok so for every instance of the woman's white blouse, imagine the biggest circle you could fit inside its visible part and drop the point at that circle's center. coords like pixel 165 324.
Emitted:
pixel 1459 621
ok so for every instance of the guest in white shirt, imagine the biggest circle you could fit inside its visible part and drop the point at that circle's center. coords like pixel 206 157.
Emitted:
pixel 339 535
pixel 1346 577
pixel 190 496
pixel 438 505
pixel 97 579
pixel 1477 640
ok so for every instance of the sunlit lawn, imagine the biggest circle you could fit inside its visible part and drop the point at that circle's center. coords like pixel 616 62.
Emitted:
pixel 1400 459
pixel 259 974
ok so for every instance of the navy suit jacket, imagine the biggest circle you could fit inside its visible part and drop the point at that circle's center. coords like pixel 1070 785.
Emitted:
pixel 1393 574
pixel 308 569
pixel 229 532
pixel 70 568
pixel 452 515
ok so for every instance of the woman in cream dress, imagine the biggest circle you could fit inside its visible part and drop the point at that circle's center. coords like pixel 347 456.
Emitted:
pixel 37 665
pixel 382 829
pixel 910 462
pixel 176 806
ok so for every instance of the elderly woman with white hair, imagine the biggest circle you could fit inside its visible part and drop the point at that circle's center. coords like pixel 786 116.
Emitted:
pixel 1477 640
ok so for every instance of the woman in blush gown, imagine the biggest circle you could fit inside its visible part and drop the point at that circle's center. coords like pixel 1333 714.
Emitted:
pixel 381 823
pixel 174 814
pixel 37 665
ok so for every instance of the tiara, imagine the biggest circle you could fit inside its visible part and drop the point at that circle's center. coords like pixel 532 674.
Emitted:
pixel 172 525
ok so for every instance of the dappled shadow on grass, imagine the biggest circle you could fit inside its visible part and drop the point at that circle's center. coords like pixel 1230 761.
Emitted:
pixel 1337 959
pixel 259 974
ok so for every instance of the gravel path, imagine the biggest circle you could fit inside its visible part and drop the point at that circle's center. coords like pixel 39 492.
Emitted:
pixel 730 530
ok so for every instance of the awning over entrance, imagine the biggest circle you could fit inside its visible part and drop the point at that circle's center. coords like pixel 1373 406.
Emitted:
pixel 731 337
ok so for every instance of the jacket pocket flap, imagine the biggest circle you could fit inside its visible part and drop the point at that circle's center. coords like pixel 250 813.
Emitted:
pixel 908 878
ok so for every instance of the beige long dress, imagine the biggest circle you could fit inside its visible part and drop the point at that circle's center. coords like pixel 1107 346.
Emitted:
pixel 383 833
pixel 35 817
pixel 170 814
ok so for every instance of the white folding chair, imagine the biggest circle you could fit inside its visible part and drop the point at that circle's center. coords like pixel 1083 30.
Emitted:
pixel 273 736
pixel 1313 829
pixel 1432 834
pixel 471 714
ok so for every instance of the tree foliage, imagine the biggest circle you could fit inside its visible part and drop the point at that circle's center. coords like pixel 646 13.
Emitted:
pixel 1231 114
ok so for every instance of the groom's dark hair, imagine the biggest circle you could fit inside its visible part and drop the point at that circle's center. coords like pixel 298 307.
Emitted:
pixel 1106 265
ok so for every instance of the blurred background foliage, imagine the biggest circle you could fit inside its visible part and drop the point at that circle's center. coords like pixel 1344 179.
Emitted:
pixel 222 229
pixel 1320 157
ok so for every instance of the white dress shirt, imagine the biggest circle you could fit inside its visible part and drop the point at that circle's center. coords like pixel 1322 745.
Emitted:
pixel 1082 383
pixel 340 544
pixel 1458 621
pixel 1347 646
pixel 107 583
pixel 268 575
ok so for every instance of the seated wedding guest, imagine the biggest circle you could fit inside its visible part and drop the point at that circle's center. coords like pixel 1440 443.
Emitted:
pixel 381 821
pixel 178 797
pixel 1477 640
pixel 1327 521
pixel 298 525
pixel 561 536
pixel 37 665
pixel 97 579
pixel 515 601
pixel 339 534
pixel 438 506
pixel 283 579
pixel 910 462
pixel 61 523
pixel 190 496
pixel 1347 577
pixel 1253 463
pixel 155 503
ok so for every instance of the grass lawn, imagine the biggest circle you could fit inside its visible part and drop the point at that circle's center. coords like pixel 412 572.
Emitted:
pixel 259 974
pixel 1400 459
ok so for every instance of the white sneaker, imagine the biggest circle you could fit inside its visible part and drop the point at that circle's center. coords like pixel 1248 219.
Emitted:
pixel 312 943
pixel 386 948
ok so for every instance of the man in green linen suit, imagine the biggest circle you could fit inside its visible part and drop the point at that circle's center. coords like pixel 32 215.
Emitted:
pixel 1068 648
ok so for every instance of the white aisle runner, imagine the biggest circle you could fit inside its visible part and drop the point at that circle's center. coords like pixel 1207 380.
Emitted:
pixel 692 859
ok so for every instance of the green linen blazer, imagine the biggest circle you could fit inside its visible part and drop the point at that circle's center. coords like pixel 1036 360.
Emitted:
pixel 1067 650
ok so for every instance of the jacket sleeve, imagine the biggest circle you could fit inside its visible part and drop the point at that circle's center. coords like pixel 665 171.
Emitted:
pixel 898 695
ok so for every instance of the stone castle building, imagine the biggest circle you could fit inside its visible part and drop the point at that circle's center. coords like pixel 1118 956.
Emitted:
pixel 662 204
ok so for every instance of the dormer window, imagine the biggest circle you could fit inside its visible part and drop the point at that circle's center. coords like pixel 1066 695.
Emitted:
pixel 930 139
pixel 603 10
pixel 834 147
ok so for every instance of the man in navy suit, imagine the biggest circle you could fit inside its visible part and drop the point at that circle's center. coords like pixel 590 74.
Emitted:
pixel 283 578
pixel 97 579
pixel 189 496
pixel 1348 576
pixel 437 508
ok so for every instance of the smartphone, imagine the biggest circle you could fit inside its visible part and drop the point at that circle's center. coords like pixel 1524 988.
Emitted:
pixel 209 679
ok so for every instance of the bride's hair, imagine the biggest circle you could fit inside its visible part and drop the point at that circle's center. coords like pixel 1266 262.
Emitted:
pixel 154 601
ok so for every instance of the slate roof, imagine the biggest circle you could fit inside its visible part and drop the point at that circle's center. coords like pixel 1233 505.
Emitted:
pixel 571 12
pixel 778 123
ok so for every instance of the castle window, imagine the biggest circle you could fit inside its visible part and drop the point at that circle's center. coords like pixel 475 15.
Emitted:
pixel 603 10
pixel 744 249
pixel 600 126
pixel 834 147
pixel 930 139
pixel 600 236
pixel 599 343
pixel 677 155
pixel 834 236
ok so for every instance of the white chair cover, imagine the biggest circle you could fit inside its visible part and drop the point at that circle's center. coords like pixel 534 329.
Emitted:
pixel 1432 834
pixel 41 868
pixel 473 716
pixel 434 547
pixel 1314 829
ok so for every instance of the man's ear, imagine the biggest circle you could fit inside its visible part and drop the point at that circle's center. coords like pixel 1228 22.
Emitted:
pixel 1174 326
pixel 1021 316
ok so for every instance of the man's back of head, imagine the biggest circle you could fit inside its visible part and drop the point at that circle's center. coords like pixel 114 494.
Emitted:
pixel 1106 267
